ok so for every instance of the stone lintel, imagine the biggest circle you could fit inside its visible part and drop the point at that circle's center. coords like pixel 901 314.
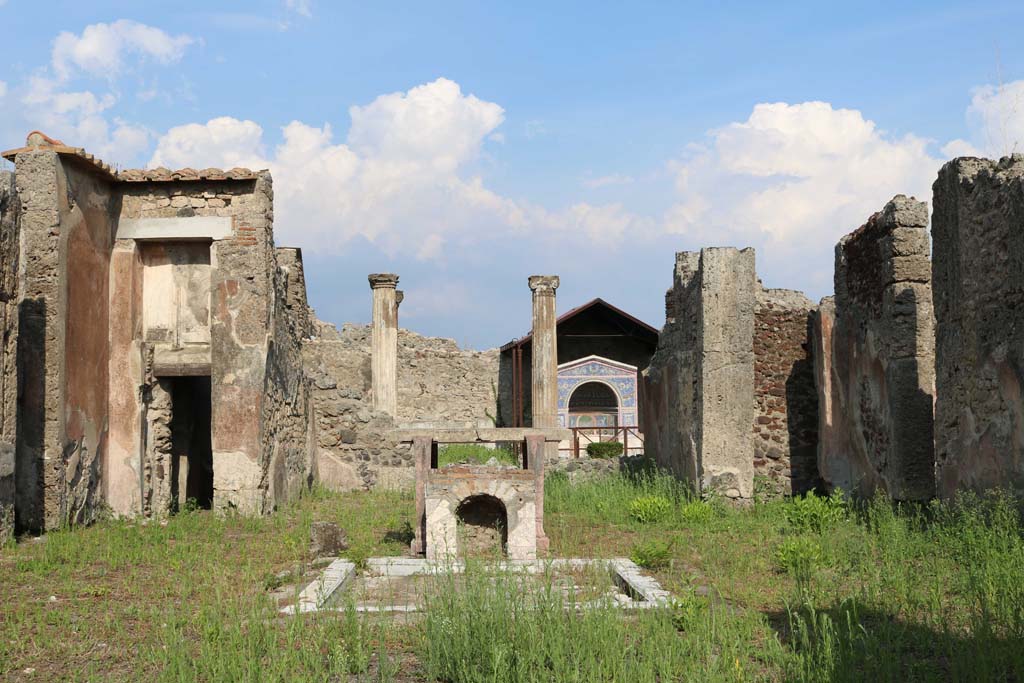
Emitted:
pixel 383 280
pixel 176 228
pixel 194 360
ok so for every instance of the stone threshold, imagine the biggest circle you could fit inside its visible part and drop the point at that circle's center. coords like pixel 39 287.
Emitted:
pixel 643 591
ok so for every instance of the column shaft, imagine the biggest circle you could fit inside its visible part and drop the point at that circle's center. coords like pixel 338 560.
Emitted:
pixel 384 349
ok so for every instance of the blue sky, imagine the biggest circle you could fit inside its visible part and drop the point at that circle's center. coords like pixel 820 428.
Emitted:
pixel 466 146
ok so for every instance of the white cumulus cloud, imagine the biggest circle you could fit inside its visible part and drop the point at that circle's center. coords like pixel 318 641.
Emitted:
pixel 56 101
pixel 402 177
pixel 793 172
pixel 101 48
pixel 995 122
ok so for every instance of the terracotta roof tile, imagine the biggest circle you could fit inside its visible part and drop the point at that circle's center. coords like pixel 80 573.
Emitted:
pixel 149 175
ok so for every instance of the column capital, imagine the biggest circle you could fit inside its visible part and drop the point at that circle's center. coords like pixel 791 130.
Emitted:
pixel 383 280
pixel 544 285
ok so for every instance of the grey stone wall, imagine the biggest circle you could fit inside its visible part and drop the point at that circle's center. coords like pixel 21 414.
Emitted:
pixel 9 221
pixel 978 269
pixel 437 382
pixel 698 392
pixel 288 424
pixel 878 380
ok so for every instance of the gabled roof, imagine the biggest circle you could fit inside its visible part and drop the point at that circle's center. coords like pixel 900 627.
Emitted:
pixel 641 328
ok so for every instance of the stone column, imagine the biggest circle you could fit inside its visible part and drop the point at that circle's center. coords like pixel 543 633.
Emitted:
pixel 535 455
pixel 384 351
pixel 421 452
pixel 544 391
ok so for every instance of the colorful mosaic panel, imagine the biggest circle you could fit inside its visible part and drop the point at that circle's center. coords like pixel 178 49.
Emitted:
pixel 621 380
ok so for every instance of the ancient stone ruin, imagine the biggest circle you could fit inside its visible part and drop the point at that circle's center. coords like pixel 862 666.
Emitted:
pixel 156 358
pixel 505 500
pixel 978 270
pixel 875 343
pixel 159 353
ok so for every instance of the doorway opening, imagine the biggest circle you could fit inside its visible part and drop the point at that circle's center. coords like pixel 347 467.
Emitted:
pixel 593 405
pixel 191 443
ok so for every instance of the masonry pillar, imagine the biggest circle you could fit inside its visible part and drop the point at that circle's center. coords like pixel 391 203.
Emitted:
pixel 384 351
pixel 544 391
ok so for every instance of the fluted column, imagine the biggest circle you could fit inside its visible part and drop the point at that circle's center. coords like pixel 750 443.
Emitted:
pixel 384 349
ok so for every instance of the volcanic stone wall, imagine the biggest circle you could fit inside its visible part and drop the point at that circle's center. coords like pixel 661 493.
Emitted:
pixel 978 269
pixel 876 373
pixel 437 382
pixel 697 401
pixel 9 210
pixel 67 220
pixel 786 420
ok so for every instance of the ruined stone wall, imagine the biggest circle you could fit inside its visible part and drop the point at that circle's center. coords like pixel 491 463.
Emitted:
pixel 786 422
pixel 9 259
pixel 670 398
pixel 877 370
pixel 67 223
pixel 698 392
pixel 437 382
pixel 978 269
pixel 263 424
pixel 289 418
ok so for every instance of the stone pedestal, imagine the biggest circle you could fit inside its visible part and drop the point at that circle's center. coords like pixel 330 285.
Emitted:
pixel 384 350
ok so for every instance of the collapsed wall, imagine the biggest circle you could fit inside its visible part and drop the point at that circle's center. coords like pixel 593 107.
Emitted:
pixel 875 368
pixel 786 403
pixel 698 391
pixel 978 269
pixel 437 382
pixel 9 238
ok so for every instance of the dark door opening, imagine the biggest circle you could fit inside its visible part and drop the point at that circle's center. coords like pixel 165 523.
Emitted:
pixel 483 527
pixel 192 454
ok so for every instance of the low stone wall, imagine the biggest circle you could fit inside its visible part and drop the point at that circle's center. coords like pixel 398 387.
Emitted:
pixel 437 382
pixel 786 420
pixel 876 374
pixel 978 266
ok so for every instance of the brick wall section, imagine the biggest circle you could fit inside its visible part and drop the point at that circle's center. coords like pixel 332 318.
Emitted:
pixel 978 266
pixel 786 414
pixel 881 367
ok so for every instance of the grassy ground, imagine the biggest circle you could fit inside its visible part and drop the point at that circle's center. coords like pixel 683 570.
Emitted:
pixel 810 590
pixel 473 454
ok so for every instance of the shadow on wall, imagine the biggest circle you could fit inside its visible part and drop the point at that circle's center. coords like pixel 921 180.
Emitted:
pixel 28 467
pixel 802 422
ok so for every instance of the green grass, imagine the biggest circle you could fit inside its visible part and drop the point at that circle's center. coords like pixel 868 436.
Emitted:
pixel 474 454
pixel 799 591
